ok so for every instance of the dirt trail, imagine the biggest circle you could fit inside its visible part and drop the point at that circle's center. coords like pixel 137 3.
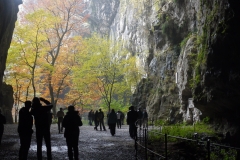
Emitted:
pixel 93 145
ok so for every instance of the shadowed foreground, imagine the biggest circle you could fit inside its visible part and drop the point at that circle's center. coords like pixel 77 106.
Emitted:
pixel 93 145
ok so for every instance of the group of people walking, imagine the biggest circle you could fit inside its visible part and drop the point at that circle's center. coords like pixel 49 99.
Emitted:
pixel 34 110
pixel 115 119
pixel 40 113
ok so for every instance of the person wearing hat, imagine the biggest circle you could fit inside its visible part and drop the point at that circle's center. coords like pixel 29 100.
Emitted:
pixel 71 123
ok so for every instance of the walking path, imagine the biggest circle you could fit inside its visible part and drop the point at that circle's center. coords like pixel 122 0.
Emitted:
pixel 93 145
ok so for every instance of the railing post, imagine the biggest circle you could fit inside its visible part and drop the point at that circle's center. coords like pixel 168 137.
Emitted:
pixel 208 148
pixel 136 149
pixel 145 137
pixel 166 154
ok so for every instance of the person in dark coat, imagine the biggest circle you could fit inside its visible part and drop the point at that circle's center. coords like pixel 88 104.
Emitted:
pixel 42 125
pixel 101 120
pixel 90 120
pixel 112 120
pixel 2 122
pixel 140 116
pixel 132 117
pixel 25 130
pixel 60 115
pixel 71 123
pixel 96 120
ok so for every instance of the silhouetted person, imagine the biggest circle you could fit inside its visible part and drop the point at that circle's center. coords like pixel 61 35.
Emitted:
pixel 96 120
pixel 101 122
pixel 25 130
pixel 132 117
pixel 71 123
pixel 140 117
pixel 112 120
pixel 41 117
pixel 2 122
pixel 119 122
pixel 122 117
pixel 228 138
pixel 60 115
pixel 145 118
pixel 90 120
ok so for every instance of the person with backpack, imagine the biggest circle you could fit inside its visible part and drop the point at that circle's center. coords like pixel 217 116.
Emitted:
pixel 101 122
pixel 2 122
pixel 71 123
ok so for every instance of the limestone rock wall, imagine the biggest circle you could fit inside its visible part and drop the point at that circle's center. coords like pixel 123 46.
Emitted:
pixel 8 16
pixel 189 50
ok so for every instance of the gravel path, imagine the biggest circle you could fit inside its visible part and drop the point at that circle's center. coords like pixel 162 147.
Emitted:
pixel 93 145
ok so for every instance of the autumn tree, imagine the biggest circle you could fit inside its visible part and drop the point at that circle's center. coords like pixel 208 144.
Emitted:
pixel 104 70
pixel 71 22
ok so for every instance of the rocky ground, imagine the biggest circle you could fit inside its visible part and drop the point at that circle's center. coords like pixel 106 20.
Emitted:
pixel 93 145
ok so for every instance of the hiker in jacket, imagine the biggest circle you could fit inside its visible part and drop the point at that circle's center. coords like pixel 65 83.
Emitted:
pixel 112 120
pixel 71 123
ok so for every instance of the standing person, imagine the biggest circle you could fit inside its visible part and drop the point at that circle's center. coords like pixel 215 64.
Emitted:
pixel 112 120
pixel 2 122
pixel 101 122
pixel 119 119
pixel 122 118
pixel 71 123
pixel 41 117
pixel 96 120
pixel 140 116
pixel 132 117
pixel 90 118
pixel 145 118
pixel 93 117
pixel 25 130
pixel 60 115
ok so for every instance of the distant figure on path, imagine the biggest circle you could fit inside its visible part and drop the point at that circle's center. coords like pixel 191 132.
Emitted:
pixel 132 117
pixel 71 123
pixel 101 122
pixel 119 122
pixel 90 118
pixel 41 117
pixel 25 130
pixel 2 122
pixel 96 120
pixel 60 115
pixel 140 117
pixel 145 118
pixel 112 120
pixel 122 118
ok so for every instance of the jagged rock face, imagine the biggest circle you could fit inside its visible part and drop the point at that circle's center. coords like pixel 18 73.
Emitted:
pixel 8 12
pixel 102 14
pixel 6 98
pixel 206 62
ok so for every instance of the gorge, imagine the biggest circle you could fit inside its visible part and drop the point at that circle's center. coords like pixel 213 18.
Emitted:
pixel 189 51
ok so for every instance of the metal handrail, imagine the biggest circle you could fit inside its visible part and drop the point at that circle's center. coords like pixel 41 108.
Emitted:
pixel 207 143
pixel 150 150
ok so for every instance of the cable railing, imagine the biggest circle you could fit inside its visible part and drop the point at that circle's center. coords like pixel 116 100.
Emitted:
pixel 162 147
